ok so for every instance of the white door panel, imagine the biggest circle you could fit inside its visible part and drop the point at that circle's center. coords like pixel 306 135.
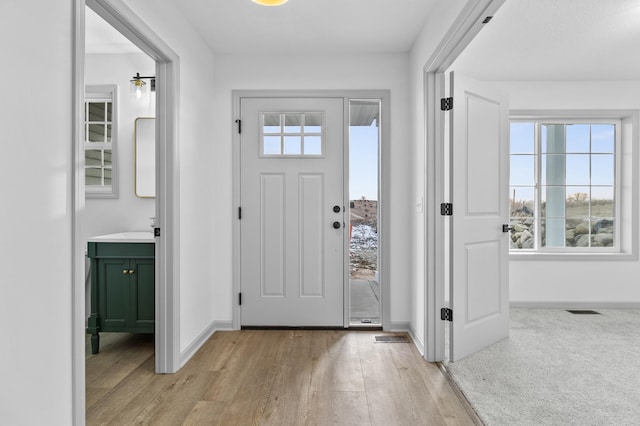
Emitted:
pixel 479 251
pixel 291 255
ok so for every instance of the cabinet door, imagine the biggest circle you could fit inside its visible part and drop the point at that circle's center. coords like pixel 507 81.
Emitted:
pixel 113 285
pixel 142 294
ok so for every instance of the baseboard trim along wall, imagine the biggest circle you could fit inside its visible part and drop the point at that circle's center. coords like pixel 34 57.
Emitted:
pixel 576 305
pixel 419 344
pixel 405 327
pixel 186 355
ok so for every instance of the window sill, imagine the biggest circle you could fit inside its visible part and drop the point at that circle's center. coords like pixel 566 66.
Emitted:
pixel 538 256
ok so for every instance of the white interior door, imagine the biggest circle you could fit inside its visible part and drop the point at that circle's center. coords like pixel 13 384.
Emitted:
pixel 479 269
pixel 293 212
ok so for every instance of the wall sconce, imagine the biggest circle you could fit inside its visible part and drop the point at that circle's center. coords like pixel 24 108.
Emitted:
pixel 139 85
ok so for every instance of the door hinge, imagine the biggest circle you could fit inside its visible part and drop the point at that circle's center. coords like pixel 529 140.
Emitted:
pixel 156 232
pixel 240 299
pixel 446 104
pixel 446 209
pixel 239 125
pixel 446 314
pixel 239 213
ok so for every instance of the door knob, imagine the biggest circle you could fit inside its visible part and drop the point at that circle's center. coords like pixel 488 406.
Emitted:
pixel 336 209
pixel 336 225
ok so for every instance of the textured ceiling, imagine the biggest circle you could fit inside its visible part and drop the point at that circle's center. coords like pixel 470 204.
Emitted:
pixel 557 40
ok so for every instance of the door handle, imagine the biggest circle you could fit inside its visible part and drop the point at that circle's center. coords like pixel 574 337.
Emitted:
pixel 507 228
pixel 336 225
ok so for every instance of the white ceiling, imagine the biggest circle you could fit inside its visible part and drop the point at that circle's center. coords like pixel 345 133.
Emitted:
pixel 101 37
pixel 526 40
pixel 557 40
pixel 308 26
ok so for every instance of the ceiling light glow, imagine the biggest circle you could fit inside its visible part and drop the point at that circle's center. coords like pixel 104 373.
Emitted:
pixel 270 2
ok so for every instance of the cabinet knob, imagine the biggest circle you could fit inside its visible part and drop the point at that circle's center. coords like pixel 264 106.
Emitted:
pixel 125 272
pixel 131 271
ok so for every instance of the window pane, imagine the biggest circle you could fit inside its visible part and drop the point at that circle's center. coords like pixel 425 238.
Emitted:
pixel 602 201
pixel 603 138
pixel 553 169
pixel 313 123
pixel 292 145
pixel 522 167
pixel 577 232
pixel 578 201
pixel 96 111
pixel 578 169
pixel 521 138
pixel 271 123
pixel 109 112
pixel 107 157
pixel 602 232
pixel 93 176
pixel 578 136
pixel 93 157
pixel 96 133
pixel 553 201
pixel 552 232
pixel 292 123
pixel 108 132
pixel 553 139
pixel 312 145
pixel 522 202
pixel 107 177
pixel 602 169
pixel 272 145
pixel 522 236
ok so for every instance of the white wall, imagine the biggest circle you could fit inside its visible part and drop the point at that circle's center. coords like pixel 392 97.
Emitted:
pixel 128 212
pixel 202 243
pixel 436 26
pixel 319 72
pixel 35 217
pixel 598 282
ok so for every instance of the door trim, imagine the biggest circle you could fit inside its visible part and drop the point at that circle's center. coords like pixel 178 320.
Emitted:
pixel 466 26
pixel 383 185
pixel 167 347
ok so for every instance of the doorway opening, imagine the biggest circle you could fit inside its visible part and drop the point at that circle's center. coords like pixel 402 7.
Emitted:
pixel 364 189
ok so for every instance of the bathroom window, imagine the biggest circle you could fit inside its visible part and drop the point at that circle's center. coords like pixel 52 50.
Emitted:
pixel 100 137
pixel 291 134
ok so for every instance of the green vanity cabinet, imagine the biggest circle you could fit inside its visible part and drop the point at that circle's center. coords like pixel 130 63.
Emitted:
pixel 122 289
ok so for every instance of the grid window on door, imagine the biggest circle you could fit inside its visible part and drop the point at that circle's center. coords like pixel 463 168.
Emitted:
pixel 291 134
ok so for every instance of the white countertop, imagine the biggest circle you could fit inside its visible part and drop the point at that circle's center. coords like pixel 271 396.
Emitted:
pixel 124 237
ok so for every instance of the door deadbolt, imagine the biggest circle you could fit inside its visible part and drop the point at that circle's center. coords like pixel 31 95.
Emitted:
pixel 336 225
pixel 336 209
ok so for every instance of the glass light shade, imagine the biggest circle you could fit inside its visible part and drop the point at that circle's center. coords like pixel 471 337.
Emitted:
pixel 270 2
pixel 138 88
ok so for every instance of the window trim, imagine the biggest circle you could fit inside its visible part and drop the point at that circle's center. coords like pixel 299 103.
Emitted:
pixel 104 92
pixel 626 157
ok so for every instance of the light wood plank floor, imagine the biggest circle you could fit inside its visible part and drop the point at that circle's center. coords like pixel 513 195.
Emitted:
pixel 271 378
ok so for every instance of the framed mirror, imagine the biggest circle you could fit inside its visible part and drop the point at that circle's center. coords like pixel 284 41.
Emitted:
pixel 145 157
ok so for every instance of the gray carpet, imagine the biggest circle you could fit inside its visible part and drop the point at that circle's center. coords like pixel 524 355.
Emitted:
pixel 558 368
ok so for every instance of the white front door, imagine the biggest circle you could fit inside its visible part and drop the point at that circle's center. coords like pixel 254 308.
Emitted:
pixel 292 223
pixel 479 271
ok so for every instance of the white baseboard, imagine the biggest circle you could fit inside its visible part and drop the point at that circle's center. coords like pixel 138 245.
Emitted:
pixel 223 325
pixel 406 328
pixel 418 343
pixel 186 355
pixel 576 305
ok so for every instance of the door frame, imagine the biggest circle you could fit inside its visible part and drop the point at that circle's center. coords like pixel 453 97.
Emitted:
pixel 383 188
pixel 466 26
pixel 167 304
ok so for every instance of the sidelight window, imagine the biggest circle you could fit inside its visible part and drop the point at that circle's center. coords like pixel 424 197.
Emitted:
pixel 100 141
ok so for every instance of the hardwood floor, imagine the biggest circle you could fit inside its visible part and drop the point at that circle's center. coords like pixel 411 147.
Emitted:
pixel 271 378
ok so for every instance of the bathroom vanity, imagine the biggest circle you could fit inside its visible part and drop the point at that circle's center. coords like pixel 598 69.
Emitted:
pixel 122 284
